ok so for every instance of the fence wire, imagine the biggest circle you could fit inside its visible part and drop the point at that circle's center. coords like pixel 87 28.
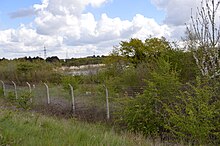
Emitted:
pixel 90 101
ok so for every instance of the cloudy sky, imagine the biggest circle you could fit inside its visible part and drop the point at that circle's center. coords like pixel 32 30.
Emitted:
pixel 79 28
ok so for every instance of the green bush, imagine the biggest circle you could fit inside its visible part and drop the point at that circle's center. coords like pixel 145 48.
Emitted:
pixel 173 111
pixel 54 77
pixel 195 116
pixel 24 101
pixel 145 113
pixel 72 80
pixel 138 116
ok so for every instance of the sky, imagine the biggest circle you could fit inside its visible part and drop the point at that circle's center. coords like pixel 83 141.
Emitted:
pixel 80 28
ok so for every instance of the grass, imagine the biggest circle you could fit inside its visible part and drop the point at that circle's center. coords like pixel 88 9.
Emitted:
pixel 30 128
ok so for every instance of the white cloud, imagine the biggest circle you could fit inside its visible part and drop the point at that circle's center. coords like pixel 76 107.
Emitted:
pixel 114 29
pixel 60 7
pixel 81 30
pixel 149 27
pixel 25 41
pixel 63 26
pixel 178 12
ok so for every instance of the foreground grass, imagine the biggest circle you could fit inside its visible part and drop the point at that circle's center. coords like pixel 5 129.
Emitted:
pixel 23 128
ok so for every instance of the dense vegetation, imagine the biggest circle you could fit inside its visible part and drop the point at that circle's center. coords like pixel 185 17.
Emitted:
pixel 177 102
pixel 159 89
pixel 36 69
pixel 22 71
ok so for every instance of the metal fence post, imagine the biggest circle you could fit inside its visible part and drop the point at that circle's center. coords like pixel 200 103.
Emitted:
pixel 16 93
pixel 29 86
pixel 73 99
pixel 3 88
pixel 48 94
pixel 107 103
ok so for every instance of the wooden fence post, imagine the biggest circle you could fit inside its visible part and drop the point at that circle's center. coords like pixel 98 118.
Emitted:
pixel 3 88
pixel 15 90
pixel 73 99
pixel 48 94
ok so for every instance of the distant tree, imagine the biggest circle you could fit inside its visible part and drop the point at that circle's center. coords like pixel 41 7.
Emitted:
pixel 3 59
pixel 137 51
pixel 53 59
pixel 38 58
pixel 203 36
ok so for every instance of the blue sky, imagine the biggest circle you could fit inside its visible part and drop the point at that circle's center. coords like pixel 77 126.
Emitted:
pixel 8 6
pixel 123 9
pixel 84 27
pixel 127 9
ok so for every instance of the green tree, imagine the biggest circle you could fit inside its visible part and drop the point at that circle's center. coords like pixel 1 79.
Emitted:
pixel 184 63
pixel 137 51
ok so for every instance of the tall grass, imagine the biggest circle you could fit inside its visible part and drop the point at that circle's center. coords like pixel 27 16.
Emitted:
pixel 24 128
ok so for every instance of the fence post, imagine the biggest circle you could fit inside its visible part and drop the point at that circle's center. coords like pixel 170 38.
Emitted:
pixel 16 94
pixel 107 103
pixel 3 88
pixel 48 94
pixel 73 99
pixel 29 86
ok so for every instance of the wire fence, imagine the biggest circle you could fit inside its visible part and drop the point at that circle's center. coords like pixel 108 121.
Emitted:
pixel 89 102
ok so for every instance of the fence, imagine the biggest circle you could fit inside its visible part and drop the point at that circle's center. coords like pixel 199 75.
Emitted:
pixel 90 102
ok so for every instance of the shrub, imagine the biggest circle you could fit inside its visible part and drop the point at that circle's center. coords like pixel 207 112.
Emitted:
pixel 54 77
pixel 24 101
pixel 193 117
pixel 72 80
pixel 145 113
pixel 174 112
pixel 138 116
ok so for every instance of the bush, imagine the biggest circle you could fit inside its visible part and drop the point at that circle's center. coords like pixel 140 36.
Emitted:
pixel 174 112
pixel 72 80
pixel 195 116
pixel 54 78
pixel 145 113
pixel 138 116
pixel 24 101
